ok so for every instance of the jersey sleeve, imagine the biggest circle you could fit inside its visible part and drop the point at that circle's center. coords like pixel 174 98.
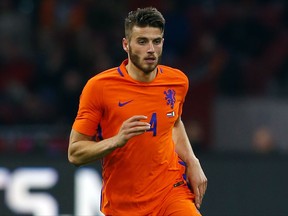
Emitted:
pixel 90 109
pixel 184 93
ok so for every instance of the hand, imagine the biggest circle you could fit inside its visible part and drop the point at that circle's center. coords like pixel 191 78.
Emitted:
pixel 198 181
pixel 130 128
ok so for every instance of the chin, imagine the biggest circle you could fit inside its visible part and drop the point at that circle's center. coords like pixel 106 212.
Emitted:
pixel 149 69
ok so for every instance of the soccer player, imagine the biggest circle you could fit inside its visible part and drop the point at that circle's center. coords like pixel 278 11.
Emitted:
pixel 130 118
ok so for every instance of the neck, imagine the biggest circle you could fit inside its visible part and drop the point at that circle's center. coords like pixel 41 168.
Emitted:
pixel 139 75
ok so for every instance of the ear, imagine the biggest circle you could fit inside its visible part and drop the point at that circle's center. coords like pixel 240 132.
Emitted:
pixel 125 44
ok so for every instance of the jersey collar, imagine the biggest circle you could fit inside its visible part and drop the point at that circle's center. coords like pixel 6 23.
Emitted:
pixel 122 68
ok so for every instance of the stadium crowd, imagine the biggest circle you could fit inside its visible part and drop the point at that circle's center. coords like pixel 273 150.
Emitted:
pixel 49 48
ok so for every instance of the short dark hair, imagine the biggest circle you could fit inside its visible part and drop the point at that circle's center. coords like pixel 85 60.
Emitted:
pixel 143 17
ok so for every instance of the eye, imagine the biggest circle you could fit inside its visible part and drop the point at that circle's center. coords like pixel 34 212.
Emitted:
pixel 142 41
pixel 157 41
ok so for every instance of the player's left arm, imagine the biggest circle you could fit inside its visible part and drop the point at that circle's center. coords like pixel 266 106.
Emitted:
pixel 194 172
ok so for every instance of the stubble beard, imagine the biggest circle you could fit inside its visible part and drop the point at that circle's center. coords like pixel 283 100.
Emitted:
pixel 135 59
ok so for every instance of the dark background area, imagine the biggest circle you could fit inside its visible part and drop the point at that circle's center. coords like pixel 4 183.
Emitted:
pixel 234 53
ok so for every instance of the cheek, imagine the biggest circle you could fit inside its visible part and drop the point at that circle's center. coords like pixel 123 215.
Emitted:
pixel 134 50
pixel 138 52
pixel 158 49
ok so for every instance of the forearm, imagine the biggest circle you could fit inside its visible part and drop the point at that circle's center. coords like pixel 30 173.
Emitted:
pixel 84 151
pixel 182 144
pixel 194 172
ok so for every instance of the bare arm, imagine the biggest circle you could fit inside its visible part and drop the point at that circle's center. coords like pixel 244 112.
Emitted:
pixel 83 150
pixel 194 172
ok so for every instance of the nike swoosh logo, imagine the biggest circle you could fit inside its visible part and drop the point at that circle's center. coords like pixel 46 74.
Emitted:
pixel 124 103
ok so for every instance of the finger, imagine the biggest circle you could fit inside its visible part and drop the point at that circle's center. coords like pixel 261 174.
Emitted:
pixel 197 197
pixel 136 118
pixel 205 187
pixel 135 132
pixel 138 124
pixel 139 129
pixel 202 189
pixel 206 184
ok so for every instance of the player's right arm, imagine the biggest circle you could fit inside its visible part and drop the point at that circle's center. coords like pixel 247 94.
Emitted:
pixel 83 149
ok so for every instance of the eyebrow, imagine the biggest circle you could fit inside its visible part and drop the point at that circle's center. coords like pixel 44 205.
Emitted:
pixel 141 37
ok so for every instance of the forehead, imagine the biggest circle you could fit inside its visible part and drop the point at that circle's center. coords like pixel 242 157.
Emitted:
pixel 146 32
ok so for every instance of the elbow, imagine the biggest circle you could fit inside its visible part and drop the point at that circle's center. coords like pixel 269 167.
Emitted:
pixel 73 159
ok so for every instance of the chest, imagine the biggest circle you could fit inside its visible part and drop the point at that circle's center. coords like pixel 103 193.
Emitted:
pixel 160 103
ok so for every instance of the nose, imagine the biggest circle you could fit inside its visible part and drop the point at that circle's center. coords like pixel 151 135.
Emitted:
pixel 151 48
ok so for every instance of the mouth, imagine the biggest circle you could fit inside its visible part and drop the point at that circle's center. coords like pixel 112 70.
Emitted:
pixel 150 60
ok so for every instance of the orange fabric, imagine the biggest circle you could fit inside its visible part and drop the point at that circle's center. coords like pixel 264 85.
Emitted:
pixel 178 203
pixel 138 176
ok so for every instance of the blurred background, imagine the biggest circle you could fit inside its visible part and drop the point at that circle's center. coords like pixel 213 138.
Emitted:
pixel 235 54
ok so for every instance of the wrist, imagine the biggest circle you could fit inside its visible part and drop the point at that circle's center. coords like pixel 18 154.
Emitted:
pixel 192 161
pixel 114 144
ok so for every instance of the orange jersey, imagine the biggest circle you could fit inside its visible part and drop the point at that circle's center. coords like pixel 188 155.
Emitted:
pixel 139 175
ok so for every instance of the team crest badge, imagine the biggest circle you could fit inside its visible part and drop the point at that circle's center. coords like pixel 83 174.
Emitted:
pixel 170 97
